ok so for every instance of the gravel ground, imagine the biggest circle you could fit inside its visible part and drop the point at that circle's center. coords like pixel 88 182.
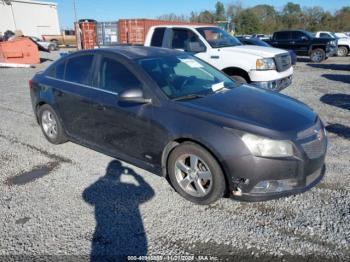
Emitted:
pixel 66 201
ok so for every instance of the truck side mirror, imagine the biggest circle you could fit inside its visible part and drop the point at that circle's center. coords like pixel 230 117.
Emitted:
pixel 304 38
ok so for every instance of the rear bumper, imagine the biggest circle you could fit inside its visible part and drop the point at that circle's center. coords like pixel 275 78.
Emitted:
pixel 275 85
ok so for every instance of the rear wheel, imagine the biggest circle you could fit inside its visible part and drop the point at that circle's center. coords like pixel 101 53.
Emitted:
pixel 317 55
pixel 342 51
pixel 195 174
pixel 239 79
pixel 50 125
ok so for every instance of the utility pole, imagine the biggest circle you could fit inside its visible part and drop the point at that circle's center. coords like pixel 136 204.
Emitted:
pixel 76 26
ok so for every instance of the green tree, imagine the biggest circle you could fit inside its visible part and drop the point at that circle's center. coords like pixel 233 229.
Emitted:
pixel 220 11
pixel 267 16
pixel 248 22
pixel 291 15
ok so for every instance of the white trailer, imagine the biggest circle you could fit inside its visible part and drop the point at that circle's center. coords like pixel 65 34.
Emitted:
pixel 33 18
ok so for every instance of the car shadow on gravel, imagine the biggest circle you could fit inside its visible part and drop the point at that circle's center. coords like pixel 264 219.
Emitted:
pixel 338 100
pixel 337 77
pixel 339 129
pixel 340 67
pixel 119 227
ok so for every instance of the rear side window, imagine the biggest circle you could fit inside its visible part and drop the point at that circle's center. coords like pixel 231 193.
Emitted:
pixel 78 69
pixel 282 35
pixel 57 71
pixel 115 77
pixel 157 38
pixel 296 35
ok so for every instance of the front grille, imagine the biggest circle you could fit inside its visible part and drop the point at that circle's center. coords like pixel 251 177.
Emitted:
pixel 316 148
pixel 283 62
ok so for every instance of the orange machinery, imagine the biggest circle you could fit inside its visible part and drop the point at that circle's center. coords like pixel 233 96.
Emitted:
pixel 21 51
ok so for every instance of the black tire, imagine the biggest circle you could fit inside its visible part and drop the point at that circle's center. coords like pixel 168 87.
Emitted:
pixel 52 47
pixel 218 186
pixel 317 55
pixel 342 51
pixel 239 79
pixel 60 136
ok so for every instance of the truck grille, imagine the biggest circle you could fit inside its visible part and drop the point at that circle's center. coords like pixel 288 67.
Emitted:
pixel 283 62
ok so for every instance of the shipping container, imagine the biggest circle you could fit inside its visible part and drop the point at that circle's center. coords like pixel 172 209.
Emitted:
pixel 88 33
pixel 134 31
pixel 107 33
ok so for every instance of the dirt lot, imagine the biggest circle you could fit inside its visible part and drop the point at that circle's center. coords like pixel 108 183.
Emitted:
pixel 64 201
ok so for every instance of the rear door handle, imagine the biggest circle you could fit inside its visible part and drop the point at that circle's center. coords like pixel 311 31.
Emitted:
pixel 215 57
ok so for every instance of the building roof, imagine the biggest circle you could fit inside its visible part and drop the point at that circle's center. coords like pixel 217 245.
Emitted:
pixel 35 2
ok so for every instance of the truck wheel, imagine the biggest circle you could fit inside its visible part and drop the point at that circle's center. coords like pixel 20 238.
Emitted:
pixel 342 51
pixel 195 174
pixel 52 47
pixel 238 79
pixel 317 55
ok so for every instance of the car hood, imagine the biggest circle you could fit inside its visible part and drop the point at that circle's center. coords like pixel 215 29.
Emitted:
pixel 250 108
pixel 260 51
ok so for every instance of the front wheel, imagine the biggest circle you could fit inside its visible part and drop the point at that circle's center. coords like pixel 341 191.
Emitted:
pixel 195 174
pixel 317 55
pixel 239 79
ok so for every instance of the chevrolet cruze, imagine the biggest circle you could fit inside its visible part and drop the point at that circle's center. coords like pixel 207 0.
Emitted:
pixel 174 115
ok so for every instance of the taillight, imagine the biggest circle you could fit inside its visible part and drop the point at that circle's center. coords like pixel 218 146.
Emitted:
pixel 30 83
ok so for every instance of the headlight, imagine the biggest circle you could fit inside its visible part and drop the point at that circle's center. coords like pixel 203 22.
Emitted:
pixel 265 147
pixel 265 64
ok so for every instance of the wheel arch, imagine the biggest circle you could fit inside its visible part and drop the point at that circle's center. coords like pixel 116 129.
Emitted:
pixel 237 71
pixel 176 142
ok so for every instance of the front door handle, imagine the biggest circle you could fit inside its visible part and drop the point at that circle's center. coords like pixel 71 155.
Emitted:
pixel 215 57
pixel 58 93
pixel 99 107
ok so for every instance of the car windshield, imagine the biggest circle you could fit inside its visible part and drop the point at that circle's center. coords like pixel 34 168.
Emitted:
pixel 217 37
pixel 184 76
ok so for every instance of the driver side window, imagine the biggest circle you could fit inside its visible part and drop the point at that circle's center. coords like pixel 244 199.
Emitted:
pixel 115 77
pixel 185 39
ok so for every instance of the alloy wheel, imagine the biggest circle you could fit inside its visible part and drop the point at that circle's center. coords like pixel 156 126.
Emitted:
pixel 49 124
pixel 193 175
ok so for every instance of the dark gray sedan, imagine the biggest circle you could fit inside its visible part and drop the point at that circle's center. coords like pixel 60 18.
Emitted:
pixel 174 115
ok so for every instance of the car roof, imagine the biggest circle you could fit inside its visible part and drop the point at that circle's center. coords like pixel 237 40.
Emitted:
pixel 136 52
pixel 185 26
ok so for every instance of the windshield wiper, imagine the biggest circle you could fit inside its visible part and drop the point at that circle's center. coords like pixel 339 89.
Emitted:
pixel 188 97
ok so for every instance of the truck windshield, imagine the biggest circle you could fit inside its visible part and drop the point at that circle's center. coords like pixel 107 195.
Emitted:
pixel 184 76
pixel 217 37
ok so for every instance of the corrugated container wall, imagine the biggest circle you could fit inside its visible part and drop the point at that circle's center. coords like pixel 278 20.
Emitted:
pixel 107 33
pixel 134 31
pixel 88 34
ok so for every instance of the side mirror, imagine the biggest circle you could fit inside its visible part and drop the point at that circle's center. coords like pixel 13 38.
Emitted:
pixel 304 38
pixel 134 95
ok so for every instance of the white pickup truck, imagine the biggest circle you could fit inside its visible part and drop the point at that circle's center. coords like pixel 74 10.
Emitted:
pixel 266 67
pixel 343 42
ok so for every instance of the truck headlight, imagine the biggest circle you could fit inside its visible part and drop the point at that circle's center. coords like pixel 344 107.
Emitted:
pixel 265 64
pixel 265 147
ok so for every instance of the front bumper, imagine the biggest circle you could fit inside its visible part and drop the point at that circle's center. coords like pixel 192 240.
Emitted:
pixel 262 178
pixel 275 85
pixel 331 50
pixel 304 185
